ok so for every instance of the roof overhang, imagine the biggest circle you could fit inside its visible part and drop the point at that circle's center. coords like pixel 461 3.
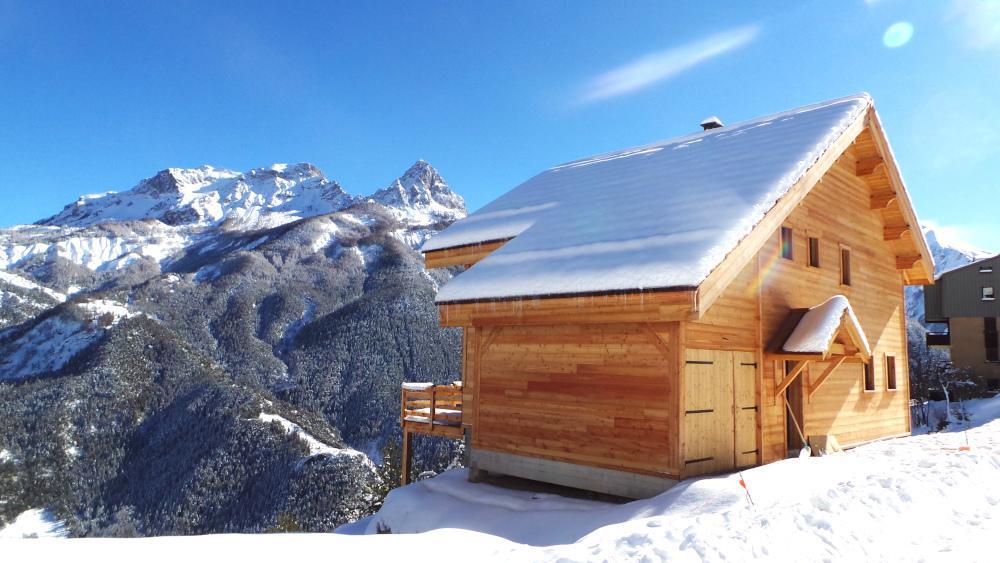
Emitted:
pixel 913 256
pixel 876 166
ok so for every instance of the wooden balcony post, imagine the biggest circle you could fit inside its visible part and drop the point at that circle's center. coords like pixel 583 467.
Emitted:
pixel 433 404
pixel 407 454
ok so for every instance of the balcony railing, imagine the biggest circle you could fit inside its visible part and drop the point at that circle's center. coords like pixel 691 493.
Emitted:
pixel 938 339
pixel 432 409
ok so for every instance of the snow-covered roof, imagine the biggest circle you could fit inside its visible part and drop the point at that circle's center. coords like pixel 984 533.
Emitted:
pixel 817 328
pixel 658 216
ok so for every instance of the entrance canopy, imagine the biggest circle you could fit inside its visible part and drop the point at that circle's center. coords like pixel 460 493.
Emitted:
pixel 829 332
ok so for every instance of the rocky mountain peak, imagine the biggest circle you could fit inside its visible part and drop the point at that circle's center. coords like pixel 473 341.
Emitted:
pixel 422 195
pixel 949 251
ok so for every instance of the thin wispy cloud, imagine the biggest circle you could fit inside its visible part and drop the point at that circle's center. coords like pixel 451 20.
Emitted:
pixel 980 21
pixel 661 65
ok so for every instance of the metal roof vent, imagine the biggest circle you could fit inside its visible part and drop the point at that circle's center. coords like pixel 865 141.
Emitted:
pixel 711 123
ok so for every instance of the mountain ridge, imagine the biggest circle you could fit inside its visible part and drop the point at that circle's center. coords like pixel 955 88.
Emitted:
pixel 257 198
pixel 172 338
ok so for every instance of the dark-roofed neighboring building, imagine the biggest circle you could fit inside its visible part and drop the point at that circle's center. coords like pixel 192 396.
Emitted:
pixel 965 301
pixel 692 306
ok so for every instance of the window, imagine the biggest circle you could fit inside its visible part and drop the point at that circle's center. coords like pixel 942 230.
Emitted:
pixel 786 243
pixel 890 373
pixel 990 339
pixel 869 375
pixel 988 293
pixel 985 269
pixel 845 266
pixel 814 252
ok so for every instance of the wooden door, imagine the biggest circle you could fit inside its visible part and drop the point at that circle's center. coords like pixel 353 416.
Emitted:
pixel 745 393
pixel 720 411
pixel 708 412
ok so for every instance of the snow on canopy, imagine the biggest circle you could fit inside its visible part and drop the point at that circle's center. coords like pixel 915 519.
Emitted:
pixel 653 217
pixel 818 327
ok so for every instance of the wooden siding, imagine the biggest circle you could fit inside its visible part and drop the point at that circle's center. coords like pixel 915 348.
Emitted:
pixel 460 255
pixel 600 395
pixel 838 212
pixel 628 307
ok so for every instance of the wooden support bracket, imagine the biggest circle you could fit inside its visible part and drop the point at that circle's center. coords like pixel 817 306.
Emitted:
pixel 835 362
pixel 882 200
pixel 790 377
pixel 894 232
pixel 907 262
pixel 869 166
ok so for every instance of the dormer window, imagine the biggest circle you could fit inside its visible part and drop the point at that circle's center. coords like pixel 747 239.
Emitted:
pixel 988 293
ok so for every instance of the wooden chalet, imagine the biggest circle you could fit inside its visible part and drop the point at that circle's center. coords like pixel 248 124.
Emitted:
pixel 693 306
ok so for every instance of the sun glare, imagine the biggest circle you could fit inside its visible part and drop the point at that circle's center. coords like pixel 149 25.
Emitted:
pixel 898 34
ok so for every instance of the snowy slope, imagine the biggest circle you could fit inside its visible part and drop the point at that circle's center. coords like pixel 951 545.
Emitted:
pixel 35 523
pixel 53 341
pixel 659 216
pixel 906 499
pixel 98 248
pixel 911 499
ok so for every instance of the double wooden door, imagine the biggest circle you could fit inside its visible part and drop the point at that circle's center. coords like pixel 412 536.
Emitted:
pixel 720 411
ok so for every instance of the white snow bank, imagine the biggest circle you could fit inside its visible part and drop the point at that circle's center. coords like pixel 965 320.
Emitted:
pixel 911 499
pixel 818 327
pixel 35 523
pixel 315 446
pixel 918 498
pixel 650 217
pixel 261 547
pixel 414 386
pixel 967 414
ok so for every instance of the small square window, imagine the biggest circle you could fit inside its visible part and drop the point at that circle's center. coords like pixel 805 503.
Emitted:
pixel 814 252
pixel 890 373
pixel 845 266
pixel 869 369
pixel 988 293
pixel 786 243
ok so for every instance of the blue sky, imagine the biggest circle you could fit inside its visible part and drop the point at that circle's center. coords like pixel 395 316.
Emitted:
pixel 97 98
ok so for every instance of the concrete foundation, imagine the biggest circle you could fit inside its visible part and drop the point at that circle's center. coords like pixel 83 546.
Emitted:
pixel 607 481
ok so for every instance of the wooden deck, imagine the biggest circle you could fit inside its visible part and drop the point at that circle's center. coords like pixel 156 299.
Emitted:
pixel 434 410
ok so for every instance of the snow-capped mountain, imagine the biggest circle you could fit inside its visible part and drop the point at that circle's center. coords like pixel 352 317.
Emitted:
pixel 421 196
pixel 256 199
pixel 186 356
pixel 150 225
pixel 950 252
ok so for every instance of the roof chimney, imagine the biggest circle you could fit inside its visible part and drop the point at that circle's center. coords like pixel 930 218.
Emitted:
pixel 711 123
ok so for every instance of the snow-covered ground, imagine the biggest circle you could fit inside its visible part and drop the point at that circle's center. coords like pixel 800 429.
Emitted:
pixel 933 497
pixel 36 523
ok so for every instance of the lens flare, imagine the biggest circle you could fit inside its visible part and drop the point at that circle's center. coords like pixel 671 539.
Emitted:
pixel 898 34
